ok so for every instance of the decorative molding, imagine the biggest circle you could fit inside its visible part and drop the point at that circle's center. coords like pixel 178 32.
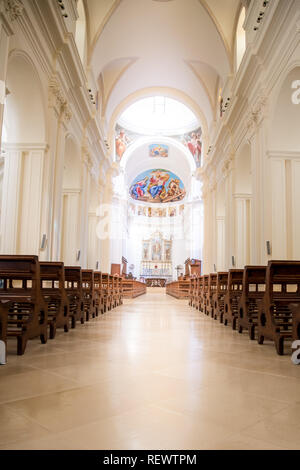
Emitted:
pixel 57 100
pixel 14 9
pixel 284 154
pixel 71 191
pixel 86 158
pixel 26 146
pixel 257 113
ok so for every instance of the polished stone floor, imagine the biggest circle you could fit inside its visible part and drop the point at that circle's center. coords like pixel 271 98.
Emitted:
pixel 152 374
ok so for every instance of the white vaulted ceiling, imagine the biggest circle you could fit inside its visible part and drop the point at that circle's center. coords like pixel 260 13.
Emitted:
pixel 180 48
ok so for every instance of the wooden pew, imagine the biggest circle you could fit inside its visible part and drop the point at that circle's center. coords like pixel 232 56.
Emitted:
pixel 53 291
pixel 232 297
pixel 295 309
pixel 192 291
pixel 111 288
pixel 73 285
pixel 115 291
pixel 118 298
pixel 275 314
pixel 98 293
pixel 219 296
pixel 132 288
pixel 27 313
pixel 204 297
pixel 198 293
pixel 254 287
pixel 106 291
pixel 120 283
pixel 212 288
pixel 195 291
pixel 3 332
pixel 178 289
pixel 88 297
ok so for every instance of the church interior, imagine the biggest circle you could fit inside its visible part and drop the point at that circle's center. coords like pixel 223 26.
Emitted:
pixel 149 224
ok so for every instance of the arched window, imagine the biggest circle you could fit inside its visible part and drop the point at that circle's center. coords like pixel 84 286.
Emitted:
pixel 80 33
pixel 240 39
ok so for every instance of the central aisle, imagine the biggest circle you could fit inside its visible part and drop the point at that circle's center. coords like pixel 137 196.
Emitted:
pixel 152 374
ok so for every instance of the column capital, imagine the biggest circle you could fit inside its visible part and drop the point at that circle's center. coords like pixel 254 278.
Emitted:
pixel 13 9
pixel 58 101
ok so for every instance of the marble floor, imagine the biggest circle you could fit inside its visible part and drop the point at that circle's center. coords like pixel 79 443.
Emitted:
pixel 152 374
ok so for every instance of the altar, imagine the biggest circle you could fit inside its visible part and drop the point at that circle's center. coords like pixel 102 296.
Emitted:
pixel 156 282
pixel 156 264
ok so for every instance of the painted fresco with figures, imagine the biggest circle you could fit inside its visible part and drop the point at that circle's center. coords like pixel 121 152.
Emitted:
pixel 158 186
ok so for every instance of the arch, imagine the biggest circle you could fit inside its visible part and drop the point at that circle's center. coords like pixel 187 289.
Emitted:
pixel 240 38
pixel 24 93
pixel 163 140
pixel 284 165
pixel 81 33
pixel 23 138
pixel 284 128
pixel 158 91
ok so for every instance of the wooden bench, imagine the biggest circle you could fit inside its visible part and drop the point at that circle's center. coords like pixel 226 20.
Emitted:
pixel 212 289
pixel 120 287
pixel 275 319
pixel 117 295
pixel 195 291
pixel 295 309
pixel 98 293
pixel 73 285
pixel 204 294
pixel 254 287
pixel 27 313
pixel 115 291
pixel 88 297
pixel 132 288
pixel 178 289
pixel 106 292
pixel 232 297
pixel 219 296
pixel 53 290
pixel 198 293
pixel 192 291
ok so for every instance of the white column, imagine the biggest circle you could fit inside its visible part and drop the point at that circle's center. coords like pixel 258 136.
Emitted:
pixel 261 223
pixel 220 224
pixel 295 197
pixel 105 225
pixel 242 230
pixel 11 200
pixel 22 196
pixel 5 33
pixel 83 218
pixel 229 215
pixel 59 118
pixel 70 228
pixel 278 211
pixel 93 245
